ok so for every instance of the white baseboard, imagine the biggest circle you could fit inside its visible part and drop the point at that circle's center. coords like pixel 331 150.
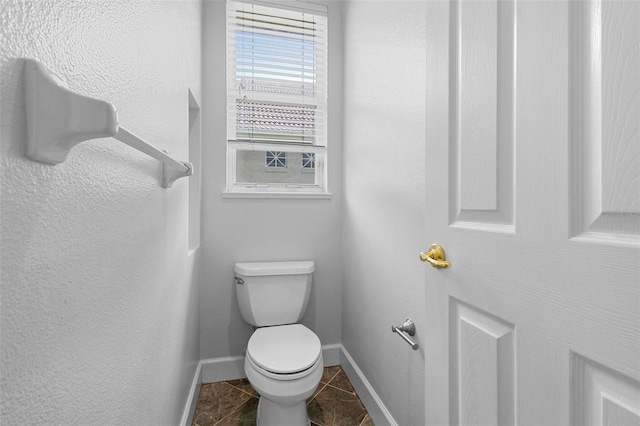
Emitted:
pixel 222 369
pixel 331 354
pixel 192 400
pixel 372 402
pixel 231 368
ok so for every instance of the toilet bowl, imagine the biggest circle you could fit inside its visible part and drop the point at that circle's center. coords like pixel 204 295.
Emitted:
pixel 284 365
pixel 283 361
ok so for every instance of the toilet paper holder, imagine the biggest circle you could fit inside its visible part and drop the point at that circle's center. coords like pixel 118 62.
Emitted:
pixel 409 327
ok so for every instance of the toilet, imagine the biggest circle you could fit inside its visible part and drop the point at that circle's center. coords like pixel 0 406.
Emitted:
pixel 283 361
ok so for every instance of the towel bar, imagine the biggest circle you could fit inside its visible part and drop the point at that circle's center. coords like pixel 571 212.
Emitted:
pixel 58 119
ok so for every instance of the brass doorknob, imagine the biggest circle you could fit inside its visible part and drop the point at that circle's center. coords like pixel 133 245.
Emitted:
pixel 435 257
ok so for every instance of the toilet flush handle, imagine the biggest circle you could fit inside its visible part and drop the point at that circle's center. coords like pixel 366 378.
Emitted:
pixel 238 280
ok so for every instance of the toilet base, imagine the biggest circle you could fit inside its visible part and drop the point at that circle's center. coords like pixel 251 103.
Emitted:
pixel 273 414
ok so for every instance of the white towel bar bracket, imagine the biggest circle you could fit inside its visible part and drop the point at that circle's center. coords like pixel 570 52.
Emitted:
pixel 58 119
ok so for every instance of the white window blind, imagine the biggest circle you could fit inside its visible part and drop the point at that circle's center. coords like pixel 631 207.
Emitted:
pixel 277 76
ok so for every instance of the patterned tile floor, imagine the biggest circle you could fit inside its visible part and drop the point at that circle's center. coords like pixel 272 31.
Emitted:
pixel 235 402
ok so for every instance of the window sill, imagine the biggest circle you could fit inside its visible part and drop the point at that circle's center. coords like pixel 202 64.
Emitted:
pixel 281 195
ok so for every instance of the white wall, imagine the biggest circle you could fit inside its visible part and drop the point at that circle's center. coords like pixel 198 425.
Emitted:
pixel 236 230
pixel 99 300
pixel 384 187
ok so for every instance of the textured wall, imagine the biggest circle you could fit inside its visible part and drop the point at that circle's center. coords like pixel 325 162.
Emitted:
pixel 236 230
pixel 384 210
pixel 99 316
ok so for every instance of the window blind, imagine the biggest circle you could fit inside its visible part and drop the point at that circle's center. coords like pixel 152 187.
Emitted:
pixel 277 75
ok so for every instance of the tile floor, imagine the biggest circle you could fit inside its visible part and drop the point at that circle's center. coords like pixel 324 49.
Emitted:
pixel 235 402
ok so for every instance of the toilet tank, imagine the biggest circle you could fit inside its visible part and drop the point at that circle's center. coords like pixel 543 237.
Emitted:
pixel 273 293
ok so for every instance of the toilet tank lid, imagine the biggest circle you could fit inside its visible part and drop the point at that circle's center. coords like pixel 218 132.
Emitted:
pixel 249 269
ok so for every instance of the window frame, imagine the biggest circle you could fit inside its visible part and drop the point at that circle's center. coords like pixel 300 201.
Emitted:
pixel 280 190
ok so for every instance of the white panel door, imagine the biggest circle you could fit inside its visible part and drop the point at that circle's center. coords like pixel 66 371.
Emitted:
pixel 533 190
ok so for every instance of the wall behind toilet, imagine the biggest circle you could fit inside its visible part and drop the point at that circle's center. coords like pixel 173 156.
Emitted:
pixel 237 230
pixel 99 320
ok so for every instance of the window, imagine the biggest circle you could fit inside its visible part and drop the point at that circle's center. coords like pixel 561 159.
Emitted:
pixel 308 161
pixel 276 97
pixel 275 160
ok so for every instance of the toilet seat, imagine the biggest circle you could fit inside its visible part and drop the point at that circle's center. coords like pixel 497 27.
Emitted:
pixel 284 350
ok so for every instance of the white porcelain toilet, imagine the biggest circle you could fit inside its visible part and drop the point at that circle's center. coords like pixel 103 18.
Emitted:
pixel 284 359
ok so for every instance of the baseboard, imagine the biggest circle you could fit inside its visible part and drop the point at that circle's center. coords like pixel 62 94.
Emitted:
pixel 372 402
pixel 192 400
pixel 331 354
pixel 222 369
pixel 231 368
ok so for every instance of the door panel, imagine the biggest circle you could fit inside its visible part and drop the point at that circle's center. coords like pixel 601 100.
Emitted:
pixel 605 127
pixel 603 396
pixel 482 114
pixel 482 373
pixel 533 177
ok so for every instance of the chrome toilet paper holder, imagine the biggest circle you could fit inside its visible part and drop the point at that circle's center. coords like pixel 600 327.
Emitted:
pixel 409 327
